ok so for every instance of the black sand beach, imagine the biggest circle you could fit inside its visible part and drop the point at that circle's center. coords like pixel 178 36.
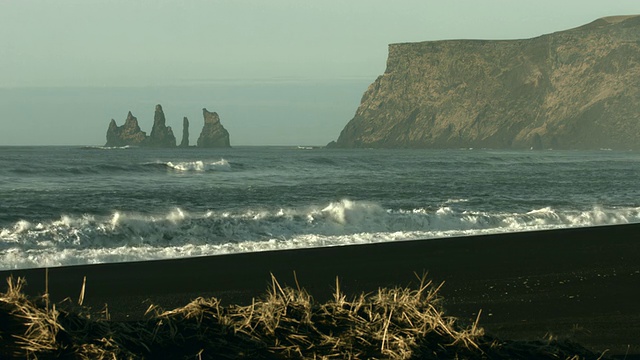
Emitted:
pixel 582 283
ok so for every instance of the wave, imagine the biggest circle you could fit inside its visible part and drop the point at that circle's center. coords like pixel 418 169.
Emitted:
pixel 179 233
pixel 68 169
pixel 323 161
pixel 110 168
pixel 108 147
pixel 221 165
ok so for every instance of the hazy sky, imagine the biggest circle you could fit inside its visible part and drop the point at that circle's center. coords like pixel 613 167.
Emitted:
pixel 319 45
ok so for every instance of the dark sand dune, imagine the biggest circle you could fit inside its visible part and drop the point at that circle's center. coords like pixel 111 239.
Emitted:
pixel 581 282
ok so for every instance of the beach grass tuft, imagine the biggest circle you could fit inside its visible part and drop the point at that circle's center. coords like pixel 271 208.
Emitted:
pixel 286 323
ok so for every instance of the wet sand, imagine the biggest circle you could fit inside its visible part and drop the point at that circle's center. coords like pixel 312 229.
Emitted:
pixel 582 283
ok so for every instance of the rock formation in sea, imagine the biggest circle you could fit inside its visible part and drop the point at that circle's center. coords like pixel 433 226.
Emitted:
pixel 213 133
pixel 574 89
pixel 161 134
pixel 128 134
pixel 185 133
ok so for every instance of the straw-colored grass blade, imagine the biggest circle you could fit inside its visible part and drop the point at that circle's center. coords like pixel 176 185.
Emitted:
pixel 392 323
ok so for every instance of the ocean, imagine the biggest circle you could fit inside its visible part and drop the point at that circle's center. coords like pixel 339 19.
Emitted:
pixel 82 205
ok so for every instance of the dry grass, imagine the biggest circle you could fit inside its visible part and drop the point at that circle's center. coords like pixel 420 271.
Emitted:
pixel 398 323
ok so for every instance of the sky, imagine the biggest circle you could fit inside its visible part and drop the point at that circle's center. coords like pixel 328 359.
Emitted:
pixel 279 72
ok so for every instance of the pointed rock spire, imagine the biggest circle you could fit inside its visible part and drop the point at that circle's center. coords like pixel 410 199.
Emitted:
pixel 161 135
pixel 213 133
pixel 128 134
pixel 185 133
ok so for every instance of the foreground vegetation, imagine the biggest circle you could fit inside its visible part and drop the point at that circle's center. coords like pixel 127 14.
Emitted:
pixel 398 323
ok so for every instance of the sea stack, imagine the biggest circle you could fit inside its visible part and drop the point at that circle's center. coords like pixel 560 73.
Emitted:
pixel 128 134
pixel 185 133
pixel 161 135
pixel 574 89
pixel 213 134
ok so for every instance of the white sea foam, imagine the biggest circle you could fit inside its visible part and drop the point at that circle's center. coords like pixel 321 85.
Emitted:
pixel 181 233
pixel 109 147
pixel 220 165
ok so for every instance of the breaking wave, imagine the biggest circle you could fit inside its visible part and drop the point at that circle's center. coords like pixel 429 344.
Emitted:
pixel 111 168
pixel 108 147
pixel 179 233
pixel 221 165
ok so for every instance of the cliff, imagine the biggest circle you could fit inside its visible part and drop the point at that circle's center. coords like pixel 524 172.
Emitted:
pixel 213 133
pixel 575 89
pixel 161 135
pixel 128 134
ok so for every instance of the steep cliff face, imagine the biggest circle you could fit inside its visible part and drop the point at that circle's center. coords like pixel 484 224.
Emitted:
pixel 161 135
pixel 185 133
pixel 128 134
pixel 575 89
pixel 213 133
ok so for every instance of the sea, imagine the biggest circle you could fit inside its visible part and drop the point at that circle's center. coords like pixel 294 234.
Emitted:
pixel 72 205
